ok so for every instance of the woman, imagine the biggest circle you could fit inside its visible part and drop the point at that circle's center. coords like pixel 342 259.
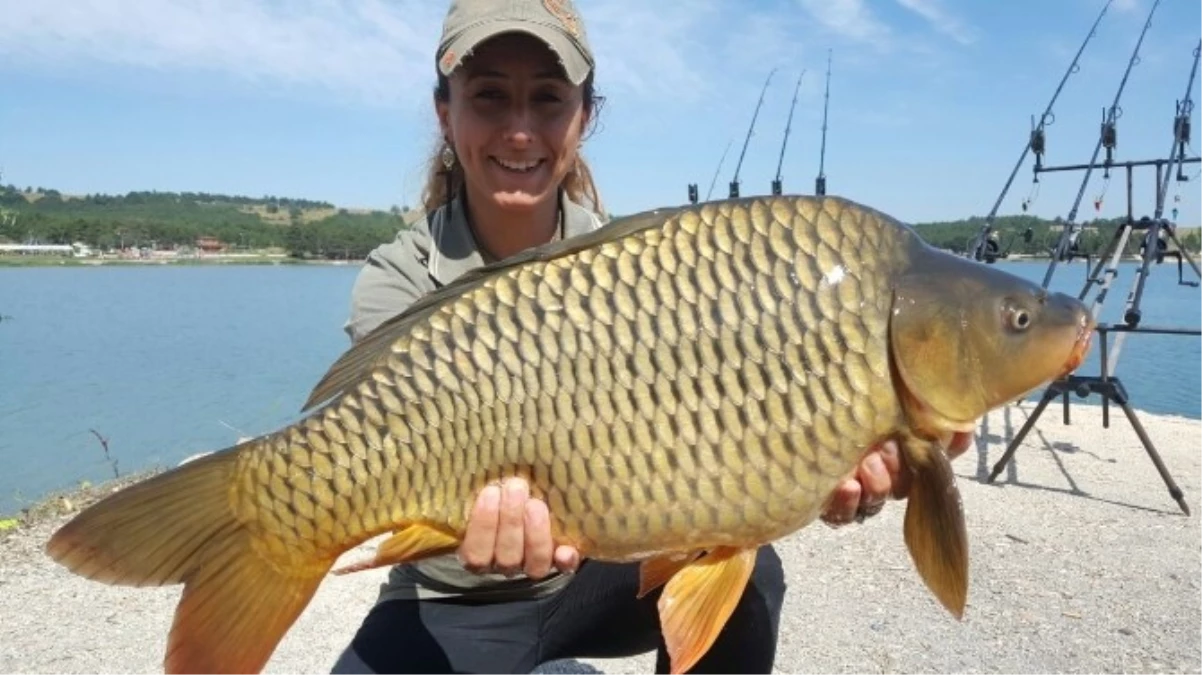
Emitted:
pixel 514 99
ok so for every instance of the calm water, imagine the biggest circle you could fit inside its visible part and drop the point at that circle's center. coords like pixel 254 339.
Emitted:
pixel 170 361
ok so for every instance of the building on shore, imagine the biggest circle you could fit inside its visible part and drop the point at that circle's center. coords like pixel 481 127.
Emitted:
pixel 76 250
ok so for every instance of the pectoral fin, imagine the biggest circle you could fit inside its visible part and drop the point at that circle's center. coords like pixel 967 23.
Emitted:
pixel 656 572
pixel 698 600
pixel 413 542
pixel 934 530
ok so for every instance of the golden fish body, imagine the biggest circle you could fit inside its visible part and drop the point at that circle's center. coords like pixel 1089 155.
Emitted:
pixel 680 388
pixel 705 383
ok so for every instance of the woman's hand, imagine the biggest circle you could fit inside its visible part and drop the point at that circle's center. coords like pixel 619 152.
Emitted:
pixel 508 532
pixel 881 474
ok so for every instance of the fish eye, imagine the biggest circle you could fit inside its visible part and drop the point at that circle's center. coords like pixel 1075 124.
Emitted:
pixel 1019 319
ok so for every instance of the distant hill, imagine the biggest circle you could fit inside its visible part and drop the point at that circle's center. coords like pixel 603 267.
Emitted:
pixel 166 220
pixel 316 229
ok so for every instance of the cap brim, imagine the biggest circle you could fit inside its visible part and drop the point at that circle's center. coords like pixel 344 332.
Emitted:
pixel 575 65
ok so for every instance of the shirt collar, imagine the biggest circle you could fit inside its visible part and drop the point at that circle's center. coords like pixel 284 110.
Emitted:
pixel 454 250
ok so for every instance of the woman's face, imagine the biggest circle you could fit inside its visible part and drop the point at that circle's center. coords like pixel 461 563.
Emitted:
pixel 515 122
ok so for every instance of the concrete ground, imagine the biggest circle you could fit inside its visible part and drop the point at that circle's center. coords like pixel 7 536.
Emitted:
pixel 1081 562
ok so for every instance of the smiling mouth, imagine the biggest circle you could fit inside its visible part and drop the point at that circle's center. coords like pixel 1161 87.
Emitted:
pixel 525 166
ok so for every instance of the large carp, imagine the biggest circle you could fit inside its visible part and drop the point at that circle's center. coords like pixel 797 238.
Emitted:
pixel 681 387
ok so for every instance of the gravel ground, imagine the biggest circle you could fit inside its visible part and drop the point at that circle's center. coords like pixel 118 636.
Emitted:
pixel 1081 562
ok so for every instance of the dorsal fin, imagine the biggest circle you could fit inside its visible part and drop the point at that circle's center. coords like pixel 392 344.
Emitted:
pixel 358 361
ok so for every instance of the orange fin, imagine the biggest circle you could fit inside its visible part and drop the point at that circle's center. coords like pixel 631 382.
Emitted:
pixel 179 527
pixel 699 599
pixel 235 611
pixel 935 532
pixel 410 543
pixel 655 572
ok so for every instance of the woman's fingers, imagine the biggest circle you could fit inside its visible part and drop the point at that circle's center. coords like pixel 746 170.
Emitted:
pixel 476 551
pixel 844 502
pixel 511 527
pixel 567 559
pixel 881 474
pixel 508 532
pixel 539 547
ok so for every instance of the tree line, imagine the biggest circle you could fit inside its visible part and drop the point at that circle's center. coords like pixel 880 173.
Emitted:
pixel 1012 235
pixel 316 229
pixel 168 220
pixel 11 195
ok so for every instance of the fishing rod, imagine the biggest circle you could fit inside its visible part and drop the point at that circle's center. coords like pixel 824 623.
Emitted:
pixel 1180 136
pixel 734 184
pixel 1036 142
pixel 1152 239
pixel 1072 229
pixel 714 180
pixel 776 184
pixel 820 182
pixel 693 186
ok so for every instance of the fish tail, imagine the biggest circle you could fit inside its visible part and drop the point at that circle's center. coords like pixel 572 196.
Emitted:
pixel 180 527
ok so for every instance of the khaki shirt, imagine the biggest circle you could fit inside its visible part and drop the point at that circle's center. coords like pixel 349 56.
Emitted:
pixel 436 250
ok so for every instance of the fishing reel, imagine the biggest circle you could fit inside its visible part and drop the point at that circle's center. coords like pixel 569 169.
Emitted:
pixel 1158 243
pixel 1161 245
pixel 1038 143
pixel 1110 137
pixel 1181 132
pixel 990 250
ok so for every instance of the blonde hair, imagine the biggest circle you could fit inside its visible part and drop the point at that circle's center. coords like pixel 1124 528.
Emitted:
pixel 577 184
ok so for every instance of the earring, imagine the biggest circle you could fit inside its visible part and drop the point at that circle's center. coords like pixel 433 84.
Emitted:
pixel 448 161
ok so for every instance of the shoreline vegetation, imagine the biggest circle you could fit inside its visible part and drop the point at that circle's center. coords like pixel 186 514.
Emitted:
pixel 65 501
pixel 42 227
pixel 251 258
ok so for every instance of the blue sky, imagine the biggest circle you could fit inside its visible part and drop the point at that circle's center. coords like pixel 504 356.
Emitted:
pixel 931 100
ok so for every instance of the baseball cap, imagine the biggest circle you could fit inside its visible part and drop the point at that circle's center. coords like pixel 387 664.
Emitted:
pixel 556 22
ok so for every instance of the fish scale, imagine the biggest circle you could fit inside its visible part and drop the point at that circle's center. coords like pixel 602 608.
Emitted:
pixel 728 368
pixel 680 387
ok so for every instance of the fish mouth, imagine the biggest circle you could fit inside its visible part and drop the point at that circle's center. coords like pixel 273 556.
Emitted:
pixel 1081 347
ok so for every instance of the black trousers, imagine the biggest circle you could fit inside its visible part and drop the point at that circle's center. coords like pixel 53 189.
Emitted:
pixel 596 615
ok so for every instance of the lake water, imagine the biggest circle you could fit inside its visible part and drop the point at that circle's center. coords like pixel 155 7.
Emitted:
pixel 169 361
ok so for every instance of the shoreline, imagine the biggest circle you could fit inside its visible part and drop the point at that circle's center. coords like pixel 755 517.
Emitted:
pixel 1081 562
pixel 16 262
pixel 58 503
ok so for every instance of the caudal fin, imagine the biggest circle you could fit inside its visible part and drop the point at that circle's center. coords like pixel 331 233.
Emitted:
pixel 179 527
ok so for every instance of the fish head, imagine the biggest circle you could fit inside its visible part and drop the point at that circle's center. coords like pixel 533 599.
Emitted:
pixel 966 338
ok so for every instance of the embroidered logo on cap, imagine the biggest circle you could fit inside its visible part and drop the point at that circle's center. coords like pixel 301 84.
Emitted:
pixel 565 16
pixel 448 58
